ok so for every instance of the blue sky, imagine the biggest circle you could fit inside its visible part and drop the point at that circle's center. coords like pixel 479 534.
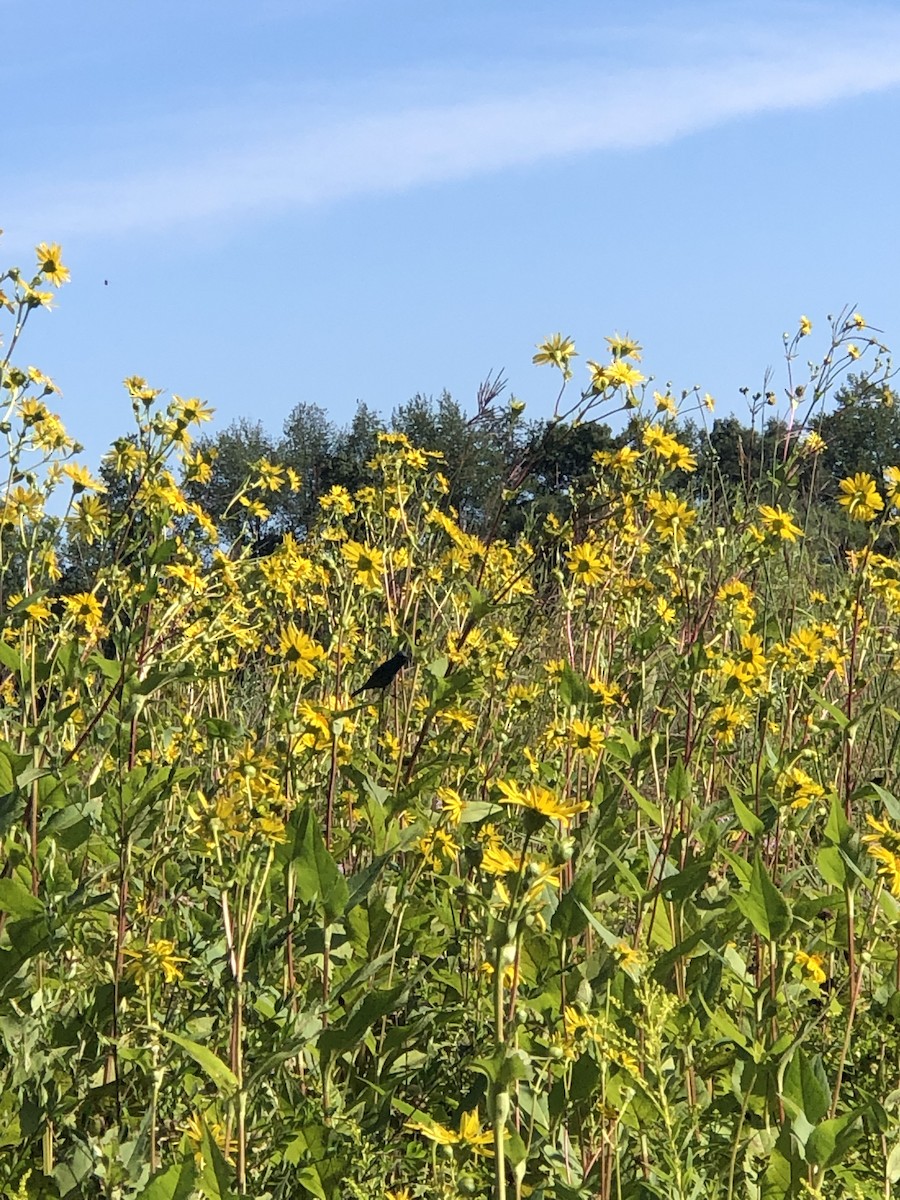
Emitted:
pixel 333 200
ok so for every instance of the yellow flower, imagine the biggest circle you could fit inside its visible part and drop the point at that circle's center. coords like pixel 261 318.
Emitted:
pixel 556 352
pixel 799 789
pixel 665 403
pixel 453 714
pixel 138 389
pixel 629 957
pixel 586 738
pixel 452 804
pixel 624 347
pixel 45 381
pixel 671 516
pixel 338 498
pixel 270 477
pixel 665 611
pixel 892 481
pixel 540 800
pixel 622 461
pixel 438 847
pixel 39 611
pixel 609 694
pixel 82 479
pixel 49 261
pixel 299 652
pixel 497 860
pixel 586 563
pixel 884 847
pixel 619 374
pixel 805 326
pixel 367 562
pixel 779 523
pixel 190 412
pixel 669 449
pixel 860 497
pixel 726 719
pixel 470 1132
pixel 854 351
pixel 89 518
pixel 812 966
pixel 155 958
pixel 86 610
pixel 858 321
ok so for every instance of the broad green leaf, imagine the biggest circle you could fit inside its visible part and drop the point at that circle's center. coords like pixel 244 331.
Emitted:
pixel 371 1008
pixel 837 829
pixel 569 920
pixel 781 1178
pixel 438 667
pixel 573 688
pixel 174 1183
pixel 17 900
pixel 765 906
pixel 831 865
pixel 829 1142
pixel 212 1066
pixel 317 875
pixel 7 768
pixel 27 937
pixel 892 1168
pixel 679 785
pixel 806 1091
pixel 308 1177
pixel 747 817
pixel 9 658
pixel 216 1176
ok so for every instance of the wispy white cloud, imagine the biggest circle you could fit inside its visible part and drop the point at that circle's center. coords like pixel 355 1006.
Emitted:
pixel 262 156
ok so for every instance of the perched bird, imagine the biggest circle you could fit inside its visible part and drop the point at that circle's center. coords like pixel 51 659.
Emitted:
pixel 382 676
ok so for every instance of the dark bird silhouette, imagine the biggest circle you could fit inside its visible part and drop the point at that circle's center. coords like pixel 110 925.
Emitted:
pixel 382 676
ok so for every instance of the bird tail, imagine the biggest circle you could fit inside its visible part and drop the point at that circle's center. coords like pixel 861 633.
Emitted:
pixel 358 692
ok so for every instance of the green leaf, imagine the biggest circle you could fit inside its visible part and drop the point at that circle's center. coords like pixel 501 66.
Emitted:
pixel 765 907
pixel 781 1177
pixel 806 1091
pixel 438 667
pixel 837 830
pixel 573 688
pixel 829 1142
pixel 892 1167
pixel 215 1179
pixel 569 920
pixel 831 866
pixel 10 659
pixel 371 1008
pixel 308 1177
pixel 317 874
pixel 27 937
pixel 679 784
pixel 17 900
pixel 174 1183
pixel 7 769
pixel 212 1066
pixel 747 817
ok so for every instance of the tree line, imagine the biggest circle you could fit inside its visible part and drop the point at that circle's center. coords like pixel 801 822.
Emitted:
pixel 507 474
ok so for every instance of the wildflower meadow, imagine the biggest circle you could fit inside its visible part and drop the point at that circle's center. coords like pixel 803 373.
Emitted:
pixel 598 898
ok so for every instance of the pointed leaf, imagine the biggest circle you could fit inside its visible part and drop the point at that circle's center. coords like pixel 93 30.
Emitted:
pixel 212 1066
pixel 764 906
pixel 174 1183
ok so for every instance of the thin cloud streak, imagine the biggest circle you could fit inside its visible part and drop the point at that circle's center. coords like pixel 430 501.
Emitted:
pixel 308 160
